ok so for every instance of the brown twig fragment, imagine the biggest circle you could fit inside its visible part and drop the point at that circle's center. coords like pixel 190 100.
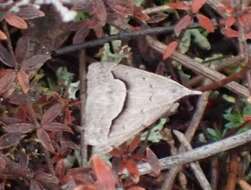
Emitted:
pixel 200 152
pixel 199 68
pixel 201 106
pixel 82 76
pixel 233 172
pixel 198 172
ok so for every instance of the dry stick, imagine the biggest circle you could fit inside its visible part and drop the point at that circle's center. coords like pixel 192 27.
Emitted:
pixel 220 83
pixel 201 106
pixel 82 76
pixel 198 172
pixel 217 65
pixel 200 152
pixel 119 36
pixel 233 172
pixel 199 68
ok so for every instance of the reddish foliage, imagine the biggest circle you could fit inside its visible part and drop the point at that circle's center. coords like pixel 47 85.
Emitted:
pixel 183 23
pixel 153 160
pixel 104 174
pixel 23 80
pixel 205 22
pixel 180 5
pixel 15 21
pixel 171 47
pixel 45 140
pixel 197 4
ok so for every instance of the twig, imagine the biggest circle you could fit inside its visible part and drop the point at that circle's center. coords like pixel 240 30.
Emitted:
pixel 82 76
pixel 217 65
pixel 214 172
pixel 220 83
pixel 201 106
pixel 200 152
pixel 119 36
pixel 198 172
pixel 199 68
pixel 233 172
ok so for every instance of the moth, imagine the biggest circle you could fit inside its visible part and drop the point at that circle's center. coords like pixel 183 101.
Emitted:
pixel 122 101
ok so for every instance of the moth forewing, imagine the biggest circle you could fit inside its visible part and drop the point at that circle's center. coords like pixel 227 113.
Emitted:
pixel 143 96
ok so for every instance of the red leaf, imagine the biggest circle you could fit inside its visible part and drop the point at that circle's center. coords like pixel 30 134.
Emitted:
pixel 104 174
pixel 5 57
pixel 183 23
pixel 85 187
pixel 23 80
pixel 52 113
pixel 2 35
pixel 229 21
pixel 170 48
pixel 179 5
pixel 153 160
pixel 30 12
pixel 197 4
pixel 15 21
pixel 10 139
pixel 19 128
pixel 132 168
pixel 6 81
pixel 45 140
pixel 139 14
pixel 230 33
pixel 56 127
pixel 134 144
pixel 60 168
pixel 205 22
pixel 34 63
pixel 136 188
pixel 46 178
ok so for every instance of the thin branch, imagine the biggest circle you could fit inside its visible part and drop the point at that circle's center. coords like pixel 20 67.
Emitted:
pixel 199 68
pixel 198 172
pixel 119 36
pixel 200 152
pixel 82 76
pixel 201 106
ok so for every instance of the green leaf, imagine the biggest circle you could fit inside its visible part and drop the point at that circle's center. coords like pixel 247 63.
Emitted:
pixel 247 109
pixel 154 134
pixel 185 42
pixel 64 76
pixel 234 118
pixel 214 134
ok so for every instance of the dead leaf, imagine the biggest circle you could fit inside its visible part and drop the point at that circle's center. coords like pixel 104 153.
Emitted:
pixel 10 139
pixel 170 48
pixel 52 113
pixel 23 80
pixel 15 21
pixel 183 23
pixel 205 23
pixel 104 174
pixel 197 4
pixel 132 168
pixel 153 160
pixel 45 140
pixel 122 101
pixel 19 128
